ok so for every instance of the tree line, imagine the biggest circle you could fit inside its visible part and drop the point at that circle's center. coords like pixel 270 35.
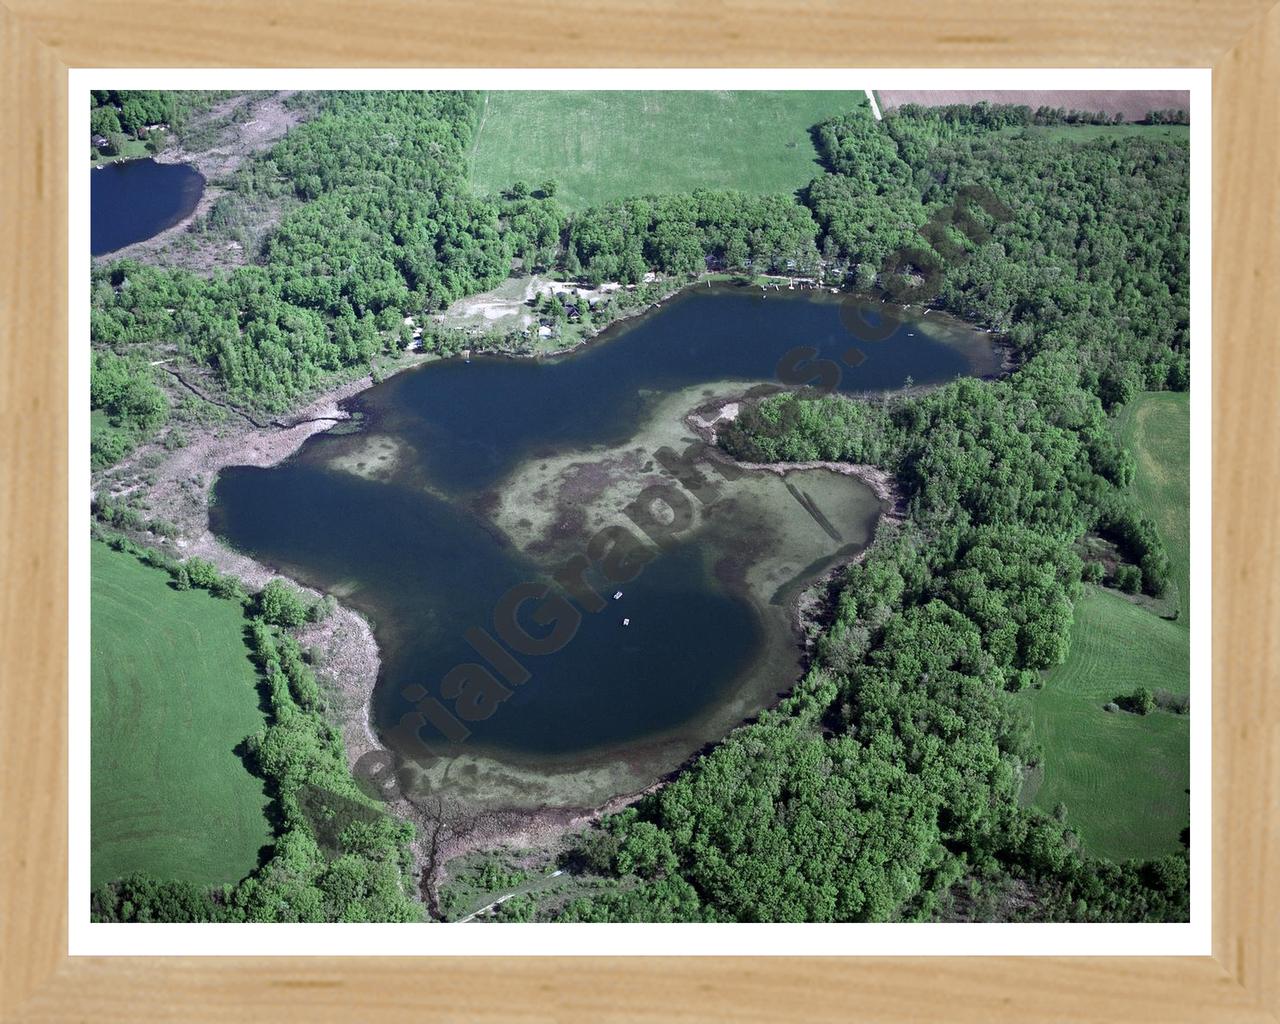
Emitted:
pixel 337 855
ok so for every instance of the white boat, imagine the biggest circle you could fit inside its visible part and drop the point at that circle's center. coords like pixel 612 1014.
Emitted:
pixel 626 622
pixel 617 595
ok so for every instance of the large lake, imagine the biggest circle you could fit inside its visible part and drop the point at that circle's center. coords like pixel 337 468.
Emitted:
pixel 466 480
pixel 135 199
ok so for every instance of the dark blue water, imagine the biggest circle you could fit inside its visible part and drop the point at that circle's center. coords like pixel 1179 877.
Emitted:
pixel 135 199
pixel 437 571
pixel 473 422
pixel 419 555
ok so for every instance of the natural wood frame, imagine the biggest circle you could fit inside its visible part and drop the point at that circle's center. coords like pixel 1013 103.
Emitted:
pixel 40 39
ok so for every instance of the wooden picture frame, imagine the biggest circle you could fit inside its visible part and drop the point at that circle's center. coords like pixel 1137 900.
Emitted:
pixel 41 39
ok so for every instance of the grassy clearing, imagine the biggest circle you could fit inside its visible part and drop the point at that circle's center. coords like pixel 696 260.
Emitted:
pixel 107 441
pixel 607 145
pixel 1157 429
pixel 134 149
pixel 173 694
pixel 1124 777
pixel 517 878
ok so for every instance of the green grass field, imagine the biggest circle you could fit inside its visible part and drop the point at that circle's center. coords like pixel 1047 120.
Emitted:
pixel 1124 777
pixel 173 694
pixel 1157 429
pixel 607 145
pixel 134 149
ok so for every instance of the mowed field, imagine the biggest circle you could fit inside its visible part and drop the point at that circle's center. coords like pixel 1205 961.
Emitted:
pixel 1124 777
pixel 599 146
pixel 1156 427
pixel 173 695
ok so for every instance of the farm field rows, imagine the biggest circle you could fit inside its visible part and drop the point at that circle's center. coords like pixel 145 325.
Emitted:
pixel 1124 777
pixel 609 145
pixel 173 694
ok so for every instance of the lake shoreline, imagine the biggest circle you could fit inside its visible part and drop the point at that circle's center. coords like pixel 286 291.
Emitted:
pixel 702 421
pixel 142 201
pixel 349 658
pixel 209 195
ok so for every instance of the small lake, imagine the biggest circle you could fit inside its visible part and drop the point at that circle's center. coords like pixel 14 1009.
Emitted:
pixel 135 199
pixel 466 480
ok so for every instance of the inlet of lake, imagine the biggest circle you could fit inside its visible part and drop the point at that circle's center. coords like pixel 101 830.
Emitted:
pixel 459 481
pixel 134 199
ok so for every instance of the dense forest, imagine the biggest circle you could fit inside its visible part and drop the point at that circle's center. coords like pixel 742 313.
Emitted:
pixel 129 403
pixel 1081 246
pixel 685 233
pixel 885 787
